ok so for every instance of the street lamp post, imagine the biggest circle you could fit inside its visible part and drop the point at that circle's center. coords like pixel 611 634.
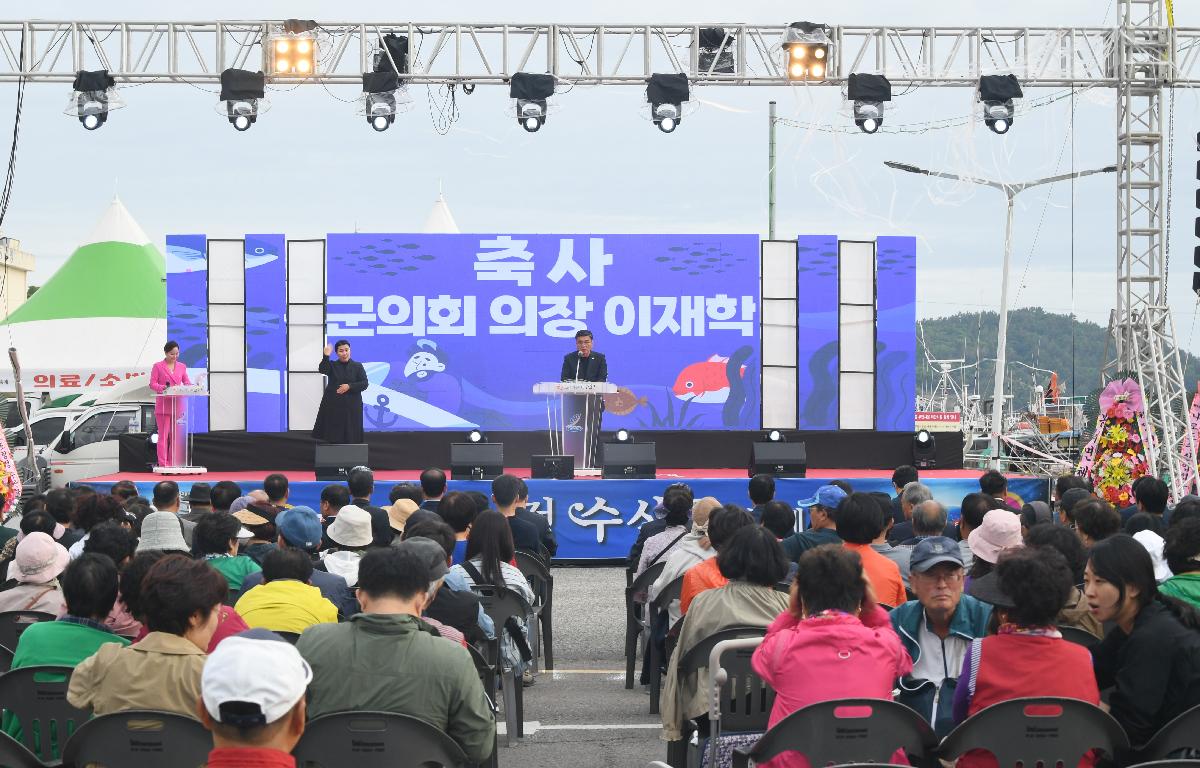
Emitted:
pixel 1010 192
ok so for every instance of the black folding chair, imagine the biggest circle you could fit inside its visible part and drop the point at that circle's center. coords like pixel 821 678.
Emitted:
pixel 845 731
pixel 1031 731
pixel 37 697
pixel 739 700
pixel 500 604
pixel 14 755
pixel 653 658
pixel 140 737
pixel 635 622
pixel 12 625
pixel 1181 733
pixel 537 573
pixel 375 740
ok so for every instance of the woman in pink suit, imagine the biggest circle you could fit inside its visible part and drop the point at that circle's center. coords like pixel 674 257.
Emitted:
pixel 168 411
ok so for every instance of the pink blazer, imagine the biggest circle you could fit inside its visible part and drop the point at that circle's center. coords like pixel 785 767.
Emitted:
pixel 161 377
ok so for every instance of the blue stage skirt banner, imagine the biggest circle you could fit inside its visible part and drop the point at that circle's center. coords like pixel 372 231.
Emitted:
pixel 454 330
pixel 599 519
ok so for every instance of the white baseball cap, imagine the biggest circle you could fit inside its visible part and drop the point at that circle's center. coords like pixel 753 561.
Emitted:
pixel 268 674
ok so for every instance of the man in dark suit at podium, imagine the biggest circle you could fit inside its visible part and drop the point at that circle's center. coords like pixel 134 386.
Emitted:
pixel 586 365
pixel 583 364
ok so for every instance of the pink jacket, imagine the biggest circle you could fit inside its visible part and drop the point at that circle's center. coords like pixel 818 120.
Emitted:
pixel 161 377
pixel 823 658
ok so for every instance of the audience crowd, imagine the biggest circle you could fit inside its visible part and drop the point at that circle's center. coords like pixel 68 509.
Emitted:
pixel 254 616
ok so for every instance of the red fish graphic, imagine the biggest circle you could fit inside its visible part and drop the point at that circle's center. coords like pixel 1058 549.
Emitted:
pixel 705 382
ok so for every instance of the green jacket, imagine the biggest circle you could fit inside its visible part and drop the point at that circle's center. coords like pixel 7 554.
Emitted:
pixel 233 568
pixel 398 663
pixel 55 644
pixel 1185 586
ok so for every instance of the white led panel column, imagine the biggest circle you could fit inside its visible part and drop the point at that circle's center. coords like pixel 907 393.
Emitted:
pixel 226 334
pixel 856 335
pixel 778 317
pixel 306 330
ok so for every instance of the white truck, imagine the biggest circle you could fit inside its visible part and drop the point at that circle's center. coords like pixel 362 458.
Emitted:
pixel 87 446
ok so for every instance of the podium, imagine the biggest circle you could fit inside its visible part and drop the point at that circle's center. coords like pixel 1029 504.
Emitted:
pixel 178 429
pixel 573 411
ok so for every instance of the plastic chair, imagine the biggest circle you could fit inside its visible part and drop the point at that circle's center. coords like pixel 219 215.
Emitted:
pixel 1037 730
pixel 14 755
pixel 1180 763
pixel 845 731
pixel 635 625
pixel 140 737
pixel 537 573
pixel 653 662
pixel 1079 636
pixel 12 624
pixel 487 676
pixel 739 700
pixel 500 604
pixel 375 740
pixel 1181 733
pixel 37 697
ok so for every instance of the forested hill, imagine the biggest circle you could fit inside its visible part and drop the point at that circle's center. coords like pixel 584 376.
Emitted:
pixel 1035 337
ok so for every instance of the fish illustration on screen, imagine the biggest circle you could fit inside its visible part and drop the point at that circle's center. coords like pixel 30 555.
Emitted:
pixel 705 382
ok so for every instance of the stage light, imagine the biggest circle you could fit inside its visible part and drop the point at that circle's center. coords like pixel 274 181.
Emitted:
pixel 775 436
pixel 924 450
pixel 243 97
pixel 868 92
pixel 93 95
pixel 291 50
pixel 666 95
pixel 475 436
pixel 997 92
pixel 382 98
pixel 715 52
pixel 623 436
pixel 806 48
pixel 531 94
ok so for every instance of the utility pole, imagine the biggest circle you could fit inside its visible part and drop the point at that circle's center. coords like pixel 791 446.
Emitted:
pixel 771 172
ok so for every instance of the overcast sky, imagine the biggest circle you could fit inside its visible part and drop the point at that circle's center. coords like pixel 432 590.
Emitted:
pixel 312 166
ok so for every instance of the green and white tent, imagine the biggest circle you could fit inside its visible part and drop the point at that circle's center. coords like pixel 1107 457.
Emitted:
pixel 99 319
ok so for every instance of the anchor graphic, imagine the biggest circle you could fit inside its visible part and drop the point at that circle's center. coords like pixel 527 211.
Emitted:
pixel 378 415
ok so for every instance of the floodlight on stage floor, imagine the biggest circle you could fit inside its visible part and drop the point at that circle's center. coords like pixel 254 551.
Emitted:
pixel 475 436
pixel 924 450
pixel 775 436
pixel 93 96
pixel 623 436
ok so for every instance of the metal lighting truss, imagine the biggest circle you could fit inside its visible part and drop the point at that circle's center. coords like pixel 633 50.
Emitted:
pixel 1139 58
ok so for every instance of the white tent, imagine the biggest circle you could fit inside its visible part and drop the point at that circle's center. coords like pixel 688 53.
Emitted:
pixel 99 319
pixel 440 221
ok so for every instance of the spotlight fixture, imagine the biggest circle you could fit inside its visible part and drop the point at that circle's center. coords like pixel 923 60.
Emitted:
pixel 291 51
pixel 379 102
pixel 475 436
pixel 924 450
pixel 623 436
pixel 806 48
pixel 531 93
pixel 868 92
pixel 243 96
pixel 666 94
pixel 715 51
pixel 997 92
pixel 775 436
pixel 93 95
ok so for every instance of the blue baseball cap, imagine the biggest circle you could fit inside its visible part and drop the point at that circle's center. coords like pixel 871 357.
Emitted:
pixel 828 496
pixel 300 527
pixel 932 551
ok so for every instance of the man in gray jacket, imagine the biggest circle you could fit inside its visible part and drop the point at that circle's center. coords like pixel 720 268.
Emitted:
pixel 387 659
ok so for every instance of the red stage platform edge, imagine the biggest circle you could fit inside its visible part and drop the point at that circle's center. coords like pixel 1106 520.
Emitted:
pixel 414 475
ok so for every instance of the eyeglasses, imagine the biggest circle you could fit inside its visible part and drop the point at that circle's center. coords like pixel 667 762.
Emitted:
pixel 939 576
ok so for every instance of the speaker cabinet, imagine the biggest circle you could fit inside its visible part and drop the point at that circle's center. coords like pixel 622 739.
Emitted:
pixel 476 461
pixel 779 459
pixel 333 461
pixel 631 461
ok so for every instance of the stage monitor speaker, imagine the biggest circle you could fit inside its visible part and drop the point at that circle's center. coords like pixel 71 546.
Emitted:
pixel 135 452
pixel 552 466
pixel 333 461
pixel 779 459
pixel 631 461
pixel 476 461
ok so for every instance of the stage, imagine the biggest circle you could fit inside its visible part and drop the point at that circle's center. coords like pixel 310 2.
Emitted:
pixel 598 519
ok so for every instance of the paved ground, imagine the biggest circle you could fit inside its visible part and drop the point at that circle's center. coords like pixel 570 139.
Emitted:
pixel 581 715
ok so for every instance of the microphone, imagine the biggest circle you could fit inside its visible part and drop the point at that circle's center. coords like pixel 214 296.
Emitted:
pixel 578 360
